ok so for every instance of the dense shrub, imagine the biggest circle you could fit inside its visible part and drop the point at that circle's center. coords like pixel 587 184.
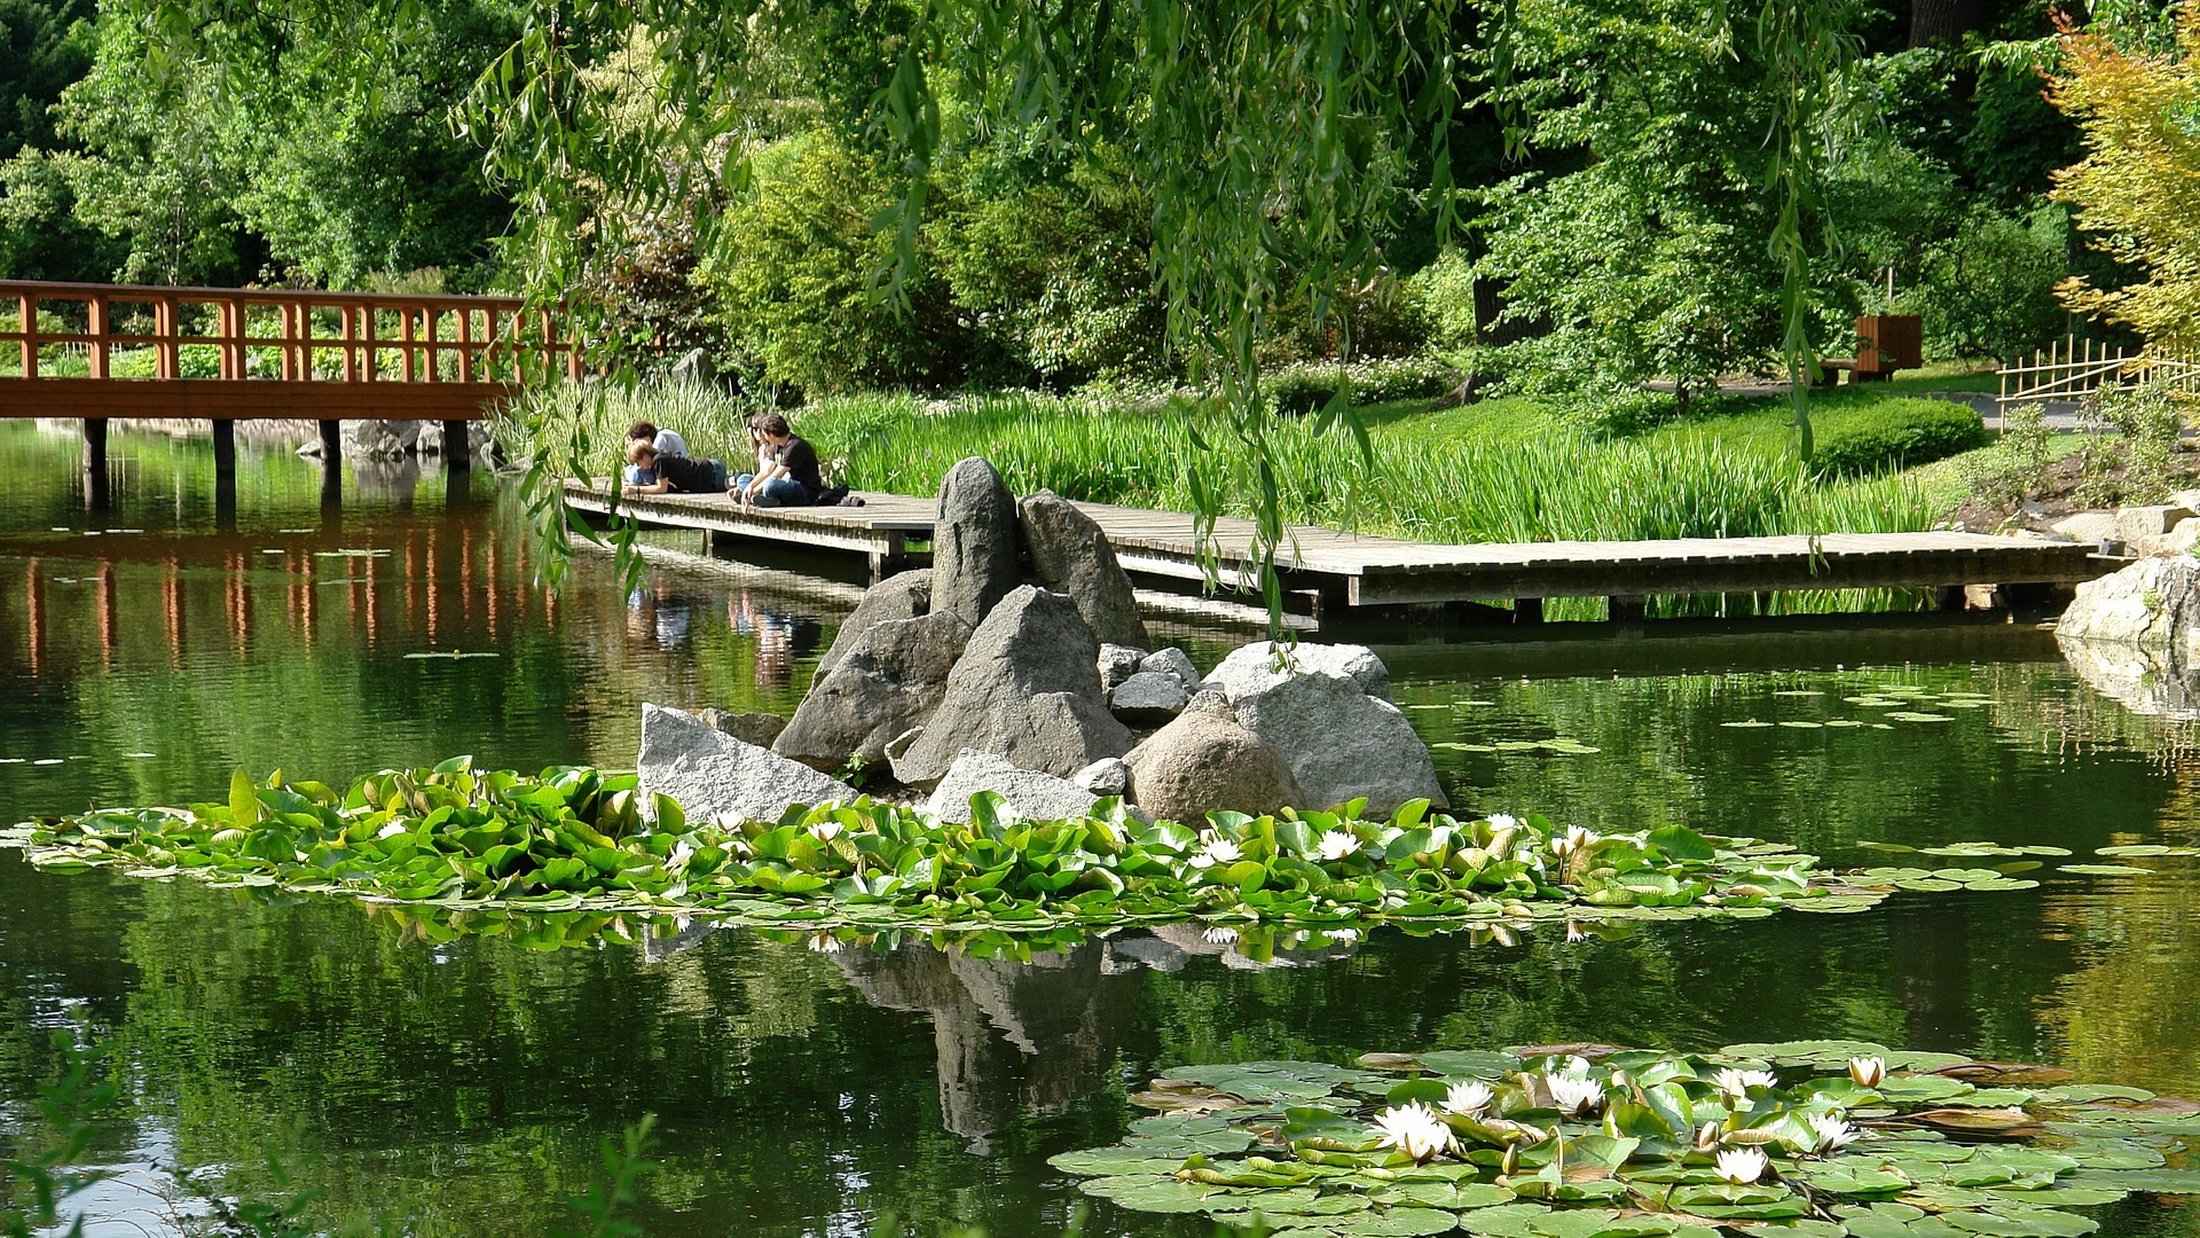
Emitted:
pixel 1990 290
pixel 1889 434
pixel 1297 390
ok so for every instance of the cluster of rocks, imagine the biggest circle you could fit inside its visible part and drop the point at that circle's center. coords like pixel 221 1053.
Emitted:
pixel 1018 664
pixel 2135 635
pixel 2170 528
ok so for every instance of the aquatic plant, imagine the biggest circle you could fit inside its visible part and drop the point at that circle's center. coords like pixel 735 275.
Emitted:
pixel 1938 1145
pixel 575 839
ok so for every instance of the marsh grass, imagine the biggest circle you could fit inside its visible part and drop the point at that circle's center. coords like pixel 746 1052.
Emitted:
pixel 1501 472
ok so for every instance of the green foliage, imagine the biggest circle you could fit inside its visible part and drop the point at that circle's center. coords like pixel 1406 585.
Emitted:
pixel 1990 290
pixel 71 1106
pixel 576 839
pixel 288 149
pixel 1306 388
pixel 625 1164
pixel 791 276
pixel 2017 465
pixel 1530 1142
pixel 1893 434
pixel 2152 423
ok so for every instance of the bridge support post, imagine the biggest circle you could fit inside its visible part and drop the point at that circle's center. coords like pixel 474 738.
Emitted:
pixel 225 448
pixel 458 447
pixel 95 462
pixel 1527 610
pixel 1624 608
pixel 332 439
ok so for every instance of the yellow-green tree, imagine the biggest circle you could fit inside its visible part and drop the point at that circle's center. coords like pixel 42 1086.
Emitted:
pixel 2137 191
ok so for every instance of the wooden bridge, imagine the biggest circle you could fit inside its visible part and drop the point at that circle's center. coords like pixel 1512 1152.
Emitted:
pixel 100 351
pixel 1332 573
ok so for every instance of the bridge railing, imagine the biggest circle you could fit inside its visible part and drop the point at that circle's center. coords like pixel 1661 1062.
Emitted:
pixel 125 331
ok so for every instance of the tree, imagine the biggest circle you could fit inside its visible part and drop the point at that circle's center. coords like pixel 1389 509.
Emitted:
pixel 2137 191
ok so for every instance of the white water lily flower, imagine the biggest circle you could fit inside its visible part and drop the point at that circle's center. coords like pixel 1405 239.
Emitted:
pixel 1502 820
pixel 826 943
pixel 1218 850
pixel 681 854
pixel 1707 1137
pixel 1574 932
pixel 1342 935
pixel 1868 1071
pixel 1219 936
pixel 1736 1083
pixel 391 830
pixel 1833 1133
pixel 1337 844
pixel 1742 1166
pixel 1575 1094
pixel 1468 1098
pixel 1414 1129
pixel 825 831
pixel 1574 839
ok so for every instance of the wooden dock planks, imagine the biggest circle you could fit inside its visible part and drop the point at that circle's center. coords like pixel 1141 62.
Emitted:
pixel 1363 570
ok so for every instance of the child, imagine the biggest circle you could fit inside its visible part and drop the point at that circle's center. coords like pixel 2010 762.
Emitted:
pixel 671 474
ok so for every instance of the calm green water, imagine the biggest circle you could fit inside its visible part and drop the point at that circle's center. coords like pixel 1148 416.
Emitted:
pixel 149 649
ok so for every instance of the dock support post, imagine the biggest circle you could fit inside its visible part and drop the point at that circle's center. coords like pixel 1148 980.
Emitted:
pixel 1527 610
pixel 458 447
pixel 332 439
pixel 1949 597
pixel 1624 608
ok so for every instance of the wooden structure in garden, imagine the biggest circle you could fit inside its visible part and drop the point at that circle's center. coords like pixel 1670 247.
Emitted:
pixel 1332 572
pixel 323 356
pixel 1885 345
pixel 2075 369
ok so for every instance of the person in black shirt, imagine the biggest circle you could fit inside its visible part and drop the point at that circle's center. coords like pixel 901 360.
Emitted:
pixel 792 479
pixel 674 474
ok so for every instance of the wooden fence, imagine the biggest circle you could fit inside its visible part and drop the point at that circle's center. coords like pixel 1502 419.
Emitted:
pixel 2075 369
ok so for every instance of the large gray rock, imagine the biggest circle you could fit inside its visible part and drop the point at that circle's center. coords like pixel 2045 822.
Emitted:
pixel 1250 669
pixel 710 772
pixel 903 596
pixel 1069 554
pixel 2153 604
pixel 758 729
pixel 1149 698
pixel 1034 796
pixel 977 552
pixel 889 680
pixel 2139 677
pixel 1027 689
pixel 1203 763
pixel 1341 742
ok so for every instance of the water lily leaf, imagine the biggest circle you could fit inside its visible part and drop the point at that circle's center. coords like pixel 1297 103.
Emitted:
pixel 2105 870
pixel 2158 1181
pixel 1747 724
pixel 1977 1121
pixel 2028 1223
pixel 2145 849
pixel 1906 1089
pixel 1114 1162
pixel 1462 1063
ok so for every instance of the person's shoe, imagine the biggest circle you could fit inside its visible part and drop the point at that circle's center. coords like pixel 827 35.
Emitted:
pixel 763 500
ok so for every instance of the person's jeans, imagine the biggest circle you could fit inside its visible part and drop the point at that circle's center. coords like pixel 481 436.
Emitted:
pixel 778 492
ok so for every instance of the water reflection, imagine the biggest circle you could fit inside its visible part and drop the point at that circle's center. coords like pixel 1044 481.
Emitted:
pixel 464 1076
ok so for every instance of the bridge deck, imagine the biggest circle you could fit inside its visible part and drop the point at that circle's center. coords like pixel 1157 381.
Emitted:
pixel 1360 570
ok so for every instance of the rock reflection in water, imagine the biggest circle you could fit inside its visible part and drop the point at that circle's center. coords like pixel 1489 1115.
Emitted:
pixel 393 480
pixel 2144 679
pixel 1029 1036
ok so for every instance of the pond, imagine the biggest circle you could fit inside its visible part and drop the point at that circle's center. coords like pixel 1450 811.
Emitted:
pixel 464 1083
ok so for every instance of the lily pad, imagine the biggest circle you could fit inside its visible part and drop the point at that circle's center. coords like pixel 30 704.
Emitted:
pixel 2105 870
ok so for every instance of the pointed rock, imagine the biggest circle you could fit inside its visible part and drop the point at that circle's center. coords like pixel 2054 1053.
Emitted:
pixel 1069 554
pixel 1027 689
pixel 977 552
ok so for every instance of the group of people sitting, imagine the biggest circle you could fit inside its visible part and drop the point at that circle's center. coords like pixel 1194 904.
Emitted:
pixel 786 473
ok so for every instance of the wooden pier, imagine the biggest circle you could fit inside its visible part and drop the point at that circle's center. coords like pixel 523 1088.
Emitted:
pixel 1333 571
pixel 100 351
